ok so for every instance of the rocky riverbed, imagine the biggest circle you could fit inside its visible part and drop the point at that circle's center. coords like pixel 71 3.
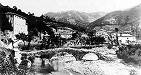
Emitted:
pixel 67 65
pixel 90 65
pixel 96 67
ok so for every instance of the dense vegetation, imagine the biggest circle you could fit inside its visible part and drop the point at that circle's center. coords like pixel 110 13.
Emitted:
pixel 130 53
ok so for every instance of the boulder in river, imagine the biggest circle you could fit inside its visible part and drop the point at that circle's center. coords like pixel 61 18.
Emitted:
pixel 90 56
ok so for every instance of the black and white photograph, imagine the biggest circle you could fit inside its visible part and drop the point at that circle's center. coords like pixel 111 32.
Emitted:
pixel 70 37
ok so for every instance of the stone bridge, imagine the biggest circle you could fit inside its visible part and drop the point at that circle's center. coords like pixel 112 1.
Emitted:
pixel 77 53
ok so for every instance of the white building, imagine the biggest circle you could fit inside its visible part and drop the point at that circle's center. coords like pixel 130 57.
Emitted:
pixel 126 38
pixel 102 33
pixel 64 32
pixel 18 23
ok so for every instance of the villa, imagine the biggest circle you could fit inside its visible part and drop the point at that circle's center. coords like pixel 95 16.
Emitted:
pixel 12 22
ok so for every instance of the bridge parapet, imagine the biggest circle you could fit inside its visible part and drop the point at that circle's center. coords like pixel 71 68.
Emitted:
pixel 77 53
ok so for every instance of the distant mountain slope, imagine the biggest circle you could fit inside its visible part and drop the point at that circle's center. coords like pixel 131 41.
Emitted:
pixel 128 20
pixel 75 17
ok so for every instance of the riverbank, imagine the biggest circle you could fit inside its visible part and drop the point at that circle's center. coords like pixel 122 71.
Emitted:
pixel 67 64
pixel 98 67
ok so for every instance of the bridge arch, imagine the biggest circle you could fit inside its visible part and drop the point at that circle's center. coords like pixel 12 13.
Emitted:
pixel 77 54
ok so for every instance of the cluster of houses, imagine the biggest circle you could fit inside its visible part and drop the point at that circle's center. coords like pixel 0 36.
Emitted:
pixel 123 37
pixel 64 32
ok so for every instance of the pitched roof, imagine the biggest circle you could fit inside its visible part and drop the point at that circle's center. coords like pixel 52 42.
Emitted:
pixel 1 5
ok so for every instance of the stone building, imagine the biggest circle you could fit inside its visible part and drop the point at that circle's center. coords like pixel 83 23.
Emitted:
pixel 12 22
pixel 126 38
pixel 18 23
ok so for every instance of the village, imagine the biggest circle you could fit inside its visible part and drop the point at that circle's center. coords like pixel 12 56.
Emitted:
pixel 31 45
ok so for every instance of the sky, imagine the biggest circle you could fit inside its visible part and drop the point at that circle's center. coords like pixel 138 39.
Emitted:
pixel 39 7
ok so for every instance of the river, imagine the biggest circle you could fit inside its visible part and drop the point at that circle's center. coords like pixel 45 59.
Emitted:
pixel 55 67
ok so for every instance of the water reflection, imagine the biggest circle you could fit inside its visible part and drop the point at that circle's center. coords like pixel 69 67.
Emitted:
pixel 44 66
pixel 39 69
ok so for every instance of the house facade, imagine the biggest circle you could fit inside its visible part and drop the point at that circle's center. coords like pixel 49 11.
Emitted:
pixel 17 23
pixel 123 38
pixel 126 38
pixel 64 32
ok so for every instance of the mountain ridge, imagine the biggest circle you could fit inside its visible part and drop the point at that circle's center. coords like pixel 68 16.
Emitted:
pixel 75 17
pixel 126 20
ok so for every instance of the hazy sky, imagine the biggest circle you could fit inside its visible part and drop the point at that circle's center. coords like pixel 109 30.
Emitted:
pixel 42 6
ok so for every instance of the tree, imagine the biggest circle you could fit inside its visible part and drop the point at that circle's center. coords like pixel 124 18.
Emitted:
pixel 6 25
pixel 116 31
pixel 74 35
pixel 90 34
pixel 23 37
pixel 98 40
pixel 15 8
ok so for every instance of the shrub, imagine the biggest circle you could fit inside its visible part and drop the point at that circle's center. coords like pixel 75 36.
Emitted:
pixel 126 51
pixel 96 40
